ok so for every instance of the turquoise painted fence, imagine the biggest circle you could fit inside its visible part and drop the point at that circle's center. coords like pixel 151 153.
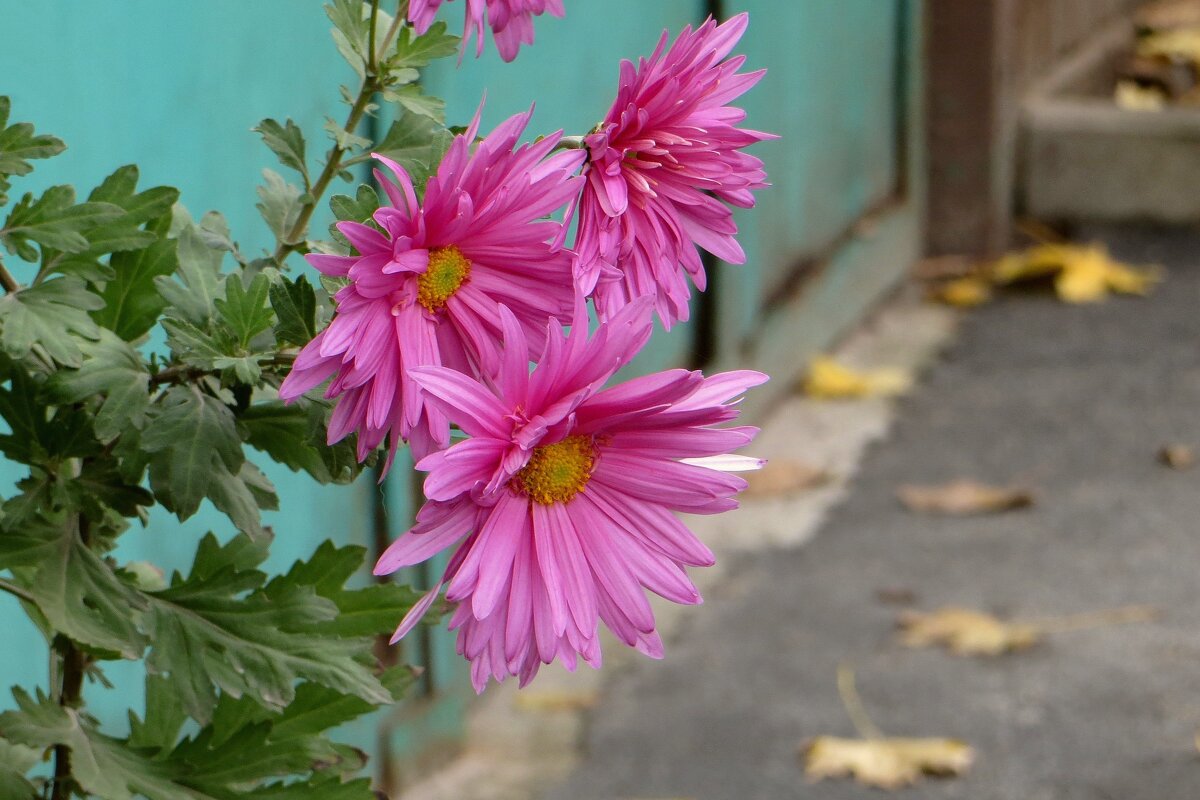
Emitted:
pixel 176 87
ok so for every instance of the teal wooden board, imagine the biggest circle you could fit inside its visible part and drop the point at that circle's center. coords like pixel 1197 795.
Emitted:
pixel 848 278
pixel 830 95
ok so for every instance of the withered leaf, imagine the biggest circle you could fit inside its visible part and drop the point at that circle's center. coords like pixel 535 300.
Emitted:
pixel 828 379
pixel 887 763
pixel 1082 273
pixel 784 476
pixel 965 632
pixel 963 497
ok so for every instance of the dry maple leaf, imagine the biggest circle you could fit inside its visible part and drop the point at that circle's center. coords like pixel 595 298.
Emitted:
pixel 781 476
pixel 877 760
pixel 885 763
pixel 963 497
pixel 829 380
pixel 965 632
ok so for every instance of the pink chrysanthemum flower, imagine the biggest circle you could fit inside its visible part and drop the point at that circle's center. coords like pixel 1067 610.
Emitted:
pixel 661 168
pixel 511 21
pixel 427 289
pixel 564 495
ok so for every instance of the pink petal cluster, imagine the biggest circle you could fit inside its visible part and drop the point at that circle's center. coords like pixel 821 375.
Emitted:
pixel 511 21
pixel 661 169
pixel 429 282
pixel 560 502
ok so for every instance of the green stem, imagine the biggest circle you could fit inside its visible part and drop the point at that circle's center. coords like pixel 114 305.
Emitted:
pixel 371 57
pixel 7 280
pixel 333 159
pixel 70 691
pixel 183 373
pixel 15 591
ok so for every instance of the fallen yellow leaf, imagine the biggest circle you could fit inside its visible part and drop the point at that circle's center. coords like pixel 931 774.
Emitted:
pixel 885 763
pixel 973 633
pixel 965 292
pixel 965 632
pixel 829 380
pixel 963 497
pixel 1082 274
pixel 1132 96
pixel 783 476
pixel 877 760
pixel 1180 43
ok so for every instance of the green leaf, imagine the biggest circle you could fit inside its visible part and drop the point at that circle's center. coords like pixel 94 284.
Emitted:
pixel 199 253
pixel 409 140
pixel 101 765
pixel 164 717
pixel 245 309
pixel 370 611
pixel 294 435
pixel 326 790
pixel 412 98
pixel 35 436
pixel 240 497
pixel 18 145
pixel 295 306
pixel 54 315
pixel 53 220
pixel 286 142
pixel 76 590
pixel 111 370
pixel 193 442
pixel 359 208
pixel 192 345
pixel 350 31
pixel 132 303
pixel 344 138
pixel 206 631
pixel 279 204
pixel 420 52
pixel 15 761
pixel 100 482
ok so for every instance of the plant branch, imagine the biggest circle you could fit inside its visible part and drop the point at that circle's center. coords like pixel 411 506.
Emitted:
pixel 70 694
pixel 15 591
pixel 184 373
pixel 333 159
pixel 7 280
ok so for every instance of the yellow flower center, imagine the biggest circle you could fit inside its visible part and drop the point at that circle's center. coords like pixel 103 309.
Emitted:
pixel 557 472
pixel 448 270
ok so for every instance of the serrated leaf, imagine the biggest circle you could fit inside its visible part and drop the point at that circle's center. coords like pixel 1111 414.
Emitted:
pixel 53 315
pixel 192 345
pixel 192 438
pixel 206 632
pixel 294 435
pixel 350 31
pixel 54 220
pixel 412 98
pixel 18 145
pixel 420 52
pixel 76 590
pixel 163 719
pixel 15 761
pixel 245 309
pixel 240 497
pixel 359 208
pixel 101 765
pixel 36 436
pixel 286 142
pixel 111 370
pixel 344 138
pixel 132 303
pixel 295 306
pixel 199 254
pixel 409 141
pixel 279 204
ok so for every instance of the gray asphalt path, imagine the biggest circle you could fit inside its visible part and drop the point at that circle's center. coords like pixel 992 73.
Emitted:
pixel 1073 401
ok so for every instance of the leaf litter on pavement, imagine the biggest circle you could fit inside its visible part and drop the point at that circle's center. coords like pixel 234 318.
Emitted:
pixel 829 379
pixel 963 497
pixel 966 632
pixel 783 476
pixel 876 760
